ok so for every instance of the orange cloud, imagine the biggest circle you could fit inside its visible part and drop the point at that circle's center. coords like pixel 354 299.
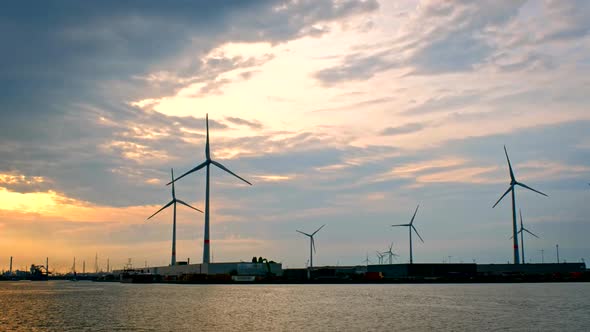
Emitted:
pixel 52 205
pixel 274 177
pixel 461 175
pixel 7 178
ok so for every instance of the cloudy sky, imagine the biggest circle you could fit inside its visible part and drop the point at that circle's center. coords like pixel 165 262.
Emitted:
pixel 340 112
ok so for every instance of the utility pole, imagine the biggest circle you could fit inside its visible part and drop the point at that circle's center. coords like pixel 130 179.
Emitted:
pixel 557 250
pixel 10 271
pixel 83 267
pixel 108 265
pixel 47 265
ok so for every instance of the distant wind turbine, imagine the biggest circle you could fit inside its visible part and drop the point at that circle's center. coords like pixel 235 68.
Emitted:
pixel 521 231
pixel 207 163
pixel 410 228
pixel 311 247
pixel 391 254
pixel 380 257
pixel 513 184
pixel 173 202
pixel 367 260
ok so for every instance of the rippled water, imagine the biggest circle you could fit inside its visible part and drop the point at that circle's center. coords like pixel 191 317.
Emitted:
pixel 87 306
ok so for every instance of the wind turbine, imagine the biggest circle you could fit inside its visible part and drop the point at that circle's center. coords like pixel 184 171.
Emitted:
pixel 391 253
pixel 521 231
pixel 410 228
pixel 311 247
pixel 207 163
pixel 380 257
pixel 367 260
pixel 173 202
pixel 512 189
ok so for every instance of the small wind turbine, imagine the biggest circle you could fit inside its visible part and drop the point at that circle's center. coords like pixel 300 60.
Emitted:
pixel 311 247
pixel 367 260
pixel 207 163
pixel 410 228
pixel 512 189
pixel 380 257
pixel 521 231
pixel 173 202
pixel 391 254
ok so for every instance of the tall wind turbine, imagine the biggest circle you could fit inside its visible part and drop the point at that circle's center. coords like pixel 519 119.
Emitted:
pixel 513 184
pixel 521 231
pixel 173 202
pixel 410 228
pixel 207 163
pixel 311 246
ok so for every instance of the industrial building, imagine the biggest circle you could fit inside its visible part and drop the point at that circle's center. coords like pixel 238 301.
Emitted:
pixel 239 269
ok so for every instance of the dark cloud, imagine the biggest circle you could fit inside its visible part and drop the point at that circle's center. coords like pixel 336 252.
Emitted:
pixel 569 18
pixel 405 129
pixel 454 41
pixel 69 70
pixel 356 67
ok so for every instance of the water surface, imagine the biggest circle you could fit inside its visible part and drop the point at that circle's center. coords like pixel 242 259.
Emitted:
pixel 88 306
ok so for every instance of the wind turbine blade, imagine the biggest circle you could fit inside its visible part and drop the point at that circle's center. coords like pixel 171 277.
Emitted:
pixel 391 247
pixel 227 170
pixel 506 193
pixel 414 228
pixel 526 230
pixel 189 172
pixel 303 233
pixel 525 186
pixel 509 165
pixel 318 229
pixel 520 231
pixel 173 191
pixel 313 244
pixel 414 216
pixel 165 206
pixel 187 205
pixel 401 225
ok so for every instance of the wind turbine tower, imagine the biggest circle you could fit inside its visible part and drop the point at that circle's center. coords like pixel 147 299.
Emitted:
pixel 410 228
pixel 521 231
pixel 173 202
pixel 311 248
pixel 512 188
pixel 207 163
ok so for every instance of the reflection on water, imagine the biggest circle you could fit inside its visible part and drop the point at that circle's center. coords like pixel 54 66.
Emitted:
pixel 86 306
